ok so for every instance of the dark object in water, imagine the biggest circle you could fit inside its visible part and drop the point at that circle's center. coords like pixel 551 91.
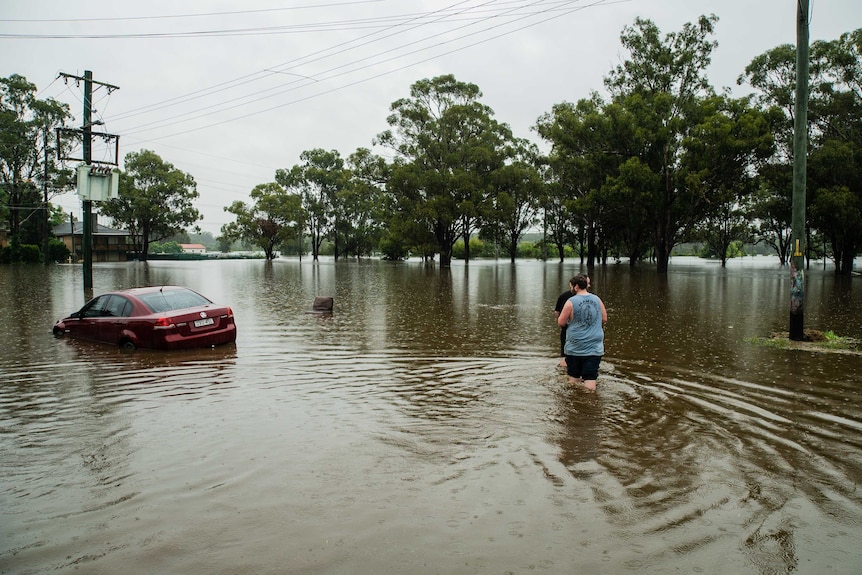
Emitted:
pixel 322 305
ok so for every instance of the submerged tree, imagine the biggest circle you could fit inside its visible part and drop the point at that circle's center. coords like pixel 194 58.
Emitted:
pixel 363 203
pixel 318 182
pixel 835 164
pixel 274 218
pixel 834 183
pixel 623 158
pixel 447 145
pixel 660 89
pixel 513 204
pixel 591 141
pixel 722 155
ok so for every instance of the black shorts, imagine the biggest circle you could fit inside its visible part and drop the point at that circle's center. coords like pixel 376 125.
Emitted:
pixel 583 366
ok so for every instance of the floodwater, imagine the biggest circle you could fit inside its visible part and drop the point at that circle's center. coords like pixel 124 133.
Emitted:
pixel 424 427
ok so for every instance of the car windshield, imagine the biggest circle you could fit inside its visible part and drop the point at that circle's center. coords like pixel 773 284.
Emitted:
pixel 169 300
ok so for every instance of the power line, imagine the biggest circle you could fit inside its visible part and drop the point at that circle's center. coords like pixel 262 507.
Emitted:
pixel 256 95
pixel 538 9
pixel 191 15
pixel 557 9
pixel 332 26
pixel 248 78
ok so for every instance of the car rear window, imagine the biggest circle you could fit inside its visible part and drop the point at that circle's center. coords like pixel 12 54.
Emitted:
pixel 169 300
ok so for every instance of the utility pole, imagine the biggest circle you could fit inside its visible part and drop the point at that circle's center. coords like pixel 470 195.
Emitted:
pixel 800 150
pixel 87 147
pixel 46 220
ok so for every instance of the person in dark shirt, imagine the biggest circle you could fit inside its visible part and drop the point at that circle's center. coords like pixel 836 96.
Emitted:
pixel 561 301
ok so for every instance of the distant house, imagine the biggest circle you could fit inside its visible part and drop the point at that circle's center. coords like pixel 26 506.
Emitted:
pixel 109 245
pixel 193 248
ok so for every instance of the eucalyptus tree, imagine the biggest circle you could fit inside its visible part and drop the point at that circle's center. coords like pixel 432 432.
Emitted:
pixel 556 198
pixel 446 146
pixel 365 206
pixel 835 123
pixel 513 205
pixel 773 75
pixel 156 200
pixel 554 211
pixel 659 90
pixel 722 154
pixel 591 141
pixel 835 163
pixel 318 181
pixel 274 218
pixel 836 209
pixel 771 211
pixel 27 154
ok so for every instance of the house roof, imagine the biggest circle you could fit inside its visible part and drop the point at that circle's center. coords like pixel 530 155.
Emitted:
pixel 63 230
pixel 193 246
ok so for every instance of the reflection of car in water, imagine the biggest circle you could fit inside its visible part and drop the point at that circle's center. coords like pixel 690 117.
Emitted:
pixel 166 317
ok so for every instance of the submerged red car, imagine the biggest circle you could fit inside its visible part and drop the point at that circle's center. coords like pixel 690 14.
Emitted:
pixel 162 317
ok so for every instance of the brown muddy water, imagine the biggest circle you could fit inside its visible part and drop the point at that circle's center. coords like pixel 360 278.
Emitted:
pixel 424 428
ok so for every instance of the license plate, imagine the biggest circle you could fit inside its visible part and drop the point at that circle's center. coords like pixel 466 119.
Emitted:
pixel 203 322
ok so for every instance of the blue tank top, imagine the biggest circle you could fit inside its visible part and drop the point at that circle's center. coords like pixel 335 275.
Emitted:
pixel 584 334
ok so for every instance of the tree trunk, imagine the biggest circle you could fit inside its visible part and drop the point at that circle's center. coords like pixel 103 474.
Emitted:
pixel 846 267
pixel 145 244
pixel 662 256
pixel 446 259
pixel 591 245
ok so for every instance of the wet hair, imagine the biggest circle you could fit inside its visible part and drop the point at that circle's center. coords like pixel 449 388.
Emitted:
pixel 579 280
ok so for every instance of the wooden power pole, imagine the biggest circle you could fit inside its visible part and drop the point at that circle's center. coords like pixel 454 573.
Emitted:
pixel 87 148
pixel 800 150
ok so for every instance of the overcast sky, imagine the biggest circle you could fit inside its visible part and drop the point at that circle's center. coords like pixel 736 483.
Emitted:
pixel 231 91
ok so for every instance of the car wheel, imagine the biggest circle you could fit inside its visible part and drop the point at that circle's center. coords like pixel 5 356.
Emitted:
pixel 128 345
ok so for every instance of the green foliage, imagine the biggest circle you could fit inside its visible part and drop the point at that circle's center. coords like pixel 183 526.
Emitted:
pixel 770 206
pixel 318 183
pixel 624 158
pixel 530 250
pixel 27 254
pixel 834 341
pixel 392 248
pixel 362 204
pixel 513 204
pixel 447 145
pixel 165 248
pixel 662 160
pixel 773 342
pixel 27 126
pixel 478 249
pixel 276 217
pixel 834 170
pixel 18 253
pixel 57 250
pixel 815 341
pixel 155 200
pixel 735 249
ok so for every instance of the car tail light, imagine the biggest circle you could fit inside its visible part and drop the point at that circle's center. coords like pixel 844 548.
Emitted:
pixel 164 323
pixel 229 313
